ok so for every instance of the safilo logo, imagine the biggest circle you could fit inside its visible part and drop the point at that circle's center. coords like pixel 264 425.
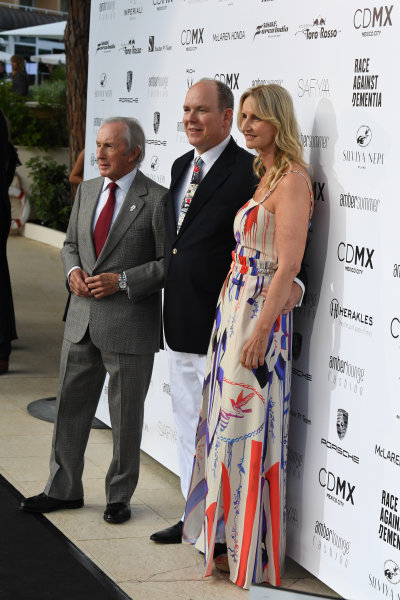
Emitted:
pixel 156 122
pixel 342 421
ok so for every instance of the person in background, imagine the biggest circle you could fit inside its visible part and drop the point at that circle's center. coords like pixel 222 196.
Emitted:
pixel 8 163
pixel 237 494
pixel 19 76
pixel 3 72
pixel 76 175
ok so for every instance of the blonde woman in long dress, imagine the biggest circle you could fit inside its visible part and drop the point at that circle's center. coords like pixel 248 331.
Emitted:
pixel 238 486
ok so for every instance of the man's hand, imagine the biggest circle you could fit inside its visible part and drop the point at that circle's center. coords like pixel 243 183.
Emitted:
pixel 293 299
pixel 77 283
pixel 103 285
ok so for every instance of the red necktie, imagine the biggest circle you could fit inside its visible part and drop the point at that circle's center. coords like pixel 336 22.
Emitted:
pixel 104 221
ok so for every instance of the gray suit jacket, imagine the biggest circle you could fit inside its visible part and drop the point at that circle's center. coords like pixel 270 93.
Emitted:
pixel 135 244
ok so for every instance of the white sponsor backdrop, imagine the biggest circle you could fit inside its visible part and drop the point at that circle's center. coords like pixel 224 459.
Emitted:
pixel 338 61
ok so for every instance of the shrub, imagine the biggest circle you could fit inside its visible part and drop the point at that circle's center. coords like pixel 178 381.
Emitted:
pixel 50 192
pixel 44 126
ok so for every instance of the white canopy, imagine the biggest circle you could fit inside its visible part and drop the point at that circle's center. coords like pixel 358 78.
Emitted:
pixel 54 31
pixel 49 59
pixel 5 56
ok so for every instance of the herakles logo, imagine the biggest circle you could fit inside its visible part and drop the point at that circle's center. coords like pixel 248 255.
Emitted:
pixel 336 311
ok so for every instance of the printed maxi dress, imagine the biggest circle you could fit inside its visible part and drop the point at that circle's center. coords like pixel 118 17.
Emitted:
pixel 238 486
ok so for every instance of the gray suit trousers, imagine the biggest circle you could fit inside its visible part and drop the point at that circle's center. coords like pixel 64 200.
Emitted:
pixel 82 373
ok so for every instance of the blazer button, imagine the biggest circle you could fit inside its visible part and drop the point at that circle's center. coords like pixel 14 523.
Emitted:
pixel 175 251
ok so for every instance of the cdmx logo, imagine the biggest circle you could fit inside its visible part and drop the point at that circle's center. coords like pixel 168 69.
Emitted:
pixel 333 483
pixel 377 17
pixel 364 136
pixel 318 193
pixel 359 255
pixel 192 37
pixel 230 79
pixel 395 327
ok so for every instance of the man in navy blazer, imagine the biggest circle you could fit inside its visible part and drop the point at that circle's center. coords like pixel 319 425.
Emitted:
pixel 197 257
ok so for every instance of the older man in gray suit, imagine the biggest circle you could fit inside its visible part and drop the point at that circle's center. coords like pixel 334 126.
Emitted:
pixel 113 261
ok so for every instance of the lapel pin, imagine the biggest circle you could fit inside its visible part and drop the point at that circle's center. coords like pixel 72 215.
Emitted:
pixel 132 207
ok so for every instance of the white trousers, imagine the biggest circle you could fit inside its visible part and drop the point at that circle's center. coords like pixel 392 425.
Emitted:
pixel 186 372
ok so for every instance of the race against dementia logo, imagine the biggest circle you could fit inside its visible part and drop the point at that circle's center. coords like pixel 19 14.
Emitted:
pixel 365 85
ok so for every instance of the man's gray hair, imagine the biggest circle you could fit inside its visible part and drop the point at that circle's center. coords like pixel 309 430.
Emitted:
pixel 225 95
pixel 134 135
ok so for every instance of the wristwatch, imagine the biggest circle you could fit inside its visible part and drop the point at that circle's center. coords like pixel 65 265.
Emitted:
pixel 122 282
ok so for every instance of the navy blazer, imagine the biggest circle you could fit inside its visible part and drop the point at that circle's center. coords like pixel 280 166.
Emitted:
pixel 197 259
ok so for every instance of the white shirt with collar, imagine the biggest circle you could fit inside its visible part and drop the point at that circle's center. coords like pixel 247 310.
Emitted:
pixel 120 194
pixel 209 158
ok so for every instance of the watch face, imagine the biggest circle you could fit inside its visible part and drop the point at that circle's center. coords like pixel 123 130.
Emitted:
pixel 122 285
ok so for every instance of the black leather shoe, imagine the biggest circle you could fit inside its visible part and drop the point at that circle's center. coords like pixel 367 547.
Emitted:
pixel 117 512
pixel 43 504
pixel 170 535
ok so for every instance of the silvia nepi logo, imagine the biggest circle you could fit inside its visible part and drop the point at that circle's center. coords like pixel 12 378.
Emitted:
pixel 342 420
pixel 156 122
pixel 103 80
pixel 392 571
pixel 364 136
pixel 129 80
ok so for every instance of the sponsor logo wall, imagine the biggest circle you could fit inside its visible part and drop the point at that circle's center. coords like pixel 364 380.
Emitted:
pixel 337 60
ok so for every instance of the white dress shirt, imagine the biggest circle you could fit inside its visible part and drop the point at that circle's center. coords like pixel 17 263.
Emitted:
pixel 209 159
pixel 120 194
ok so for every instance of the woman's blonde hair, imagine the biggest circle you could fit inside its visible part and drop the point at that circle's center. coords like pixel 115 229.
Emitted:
pixel 273 103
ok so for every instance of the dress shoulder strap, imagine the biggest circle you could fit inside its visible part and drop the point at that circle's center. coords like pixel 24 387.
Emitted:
pixel 308 185
pixel 284 175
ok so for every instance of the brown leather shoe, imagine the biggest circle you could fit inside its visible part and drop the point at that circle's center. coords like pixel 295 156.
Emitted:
pixel 3 366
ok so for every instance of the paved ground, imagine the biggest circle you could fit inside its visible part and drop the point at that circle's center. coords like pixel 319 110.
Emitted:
pixel 144 570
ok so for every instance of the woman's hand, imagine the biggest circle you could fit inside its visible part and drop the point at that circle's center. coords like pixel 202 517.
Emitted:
pixel 253 353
